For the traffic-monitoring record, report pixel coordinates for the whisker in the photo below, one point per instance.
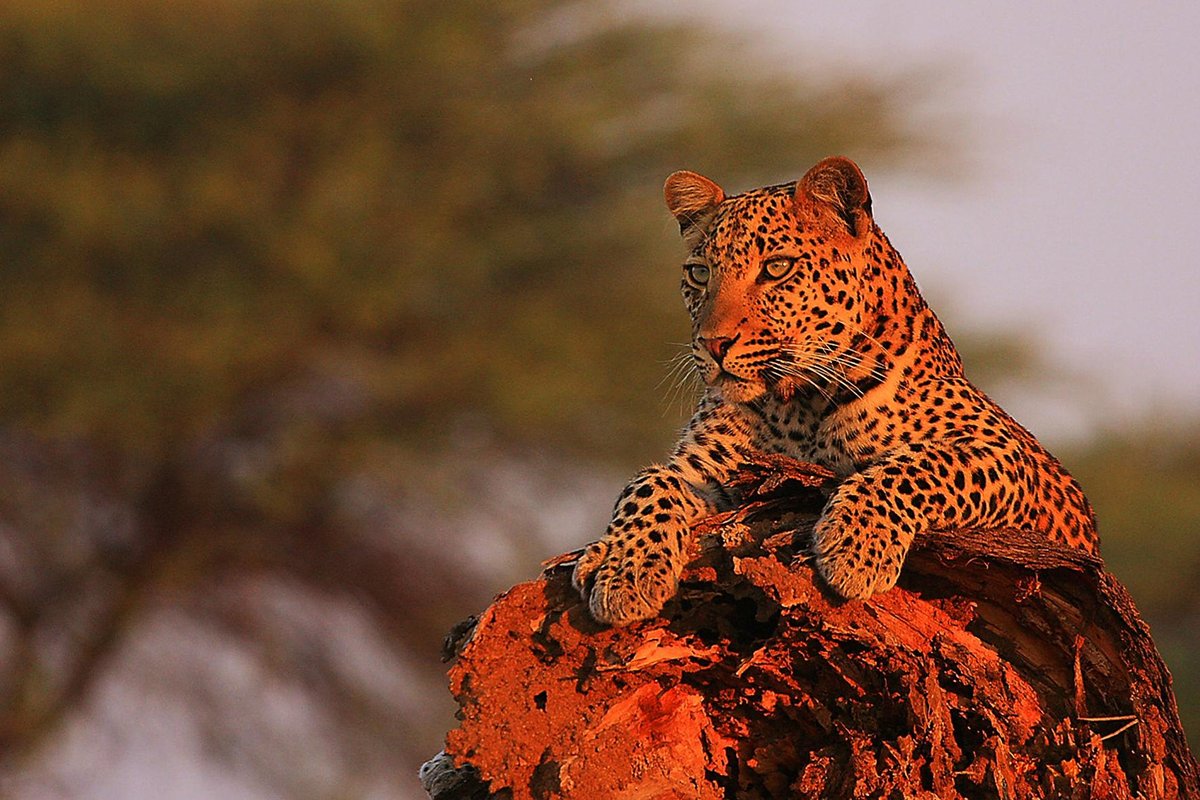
(678, 361)
(671, 377)
(854, 358)
(682, 378)
(822, 360)
(789, 369)
(851, 358)
(832, 375)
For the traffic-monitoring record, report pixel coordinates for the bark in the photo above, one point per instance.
(1000, 667)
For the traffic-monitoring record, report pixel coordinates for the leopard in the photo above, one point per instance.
(814, 342)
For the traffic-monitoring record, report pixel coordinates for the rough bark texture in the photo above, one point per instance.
(1000, 667)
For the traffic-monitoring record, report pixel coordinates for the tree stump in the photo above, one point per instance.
(999, 667)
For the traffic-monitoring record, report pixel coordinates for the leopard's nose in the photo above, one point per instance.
(718, 346)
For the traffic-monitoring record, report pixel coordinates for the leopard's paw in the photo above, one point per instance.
(587, 565)
(622, 587)
(856, 567)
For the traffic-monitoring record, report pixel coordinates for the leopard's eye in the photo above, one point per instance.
(697, 274)
(778, 268)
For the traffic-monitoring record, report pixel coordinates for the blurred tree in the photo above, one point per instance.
(1145, 484)
(285, 281)
(378, 186)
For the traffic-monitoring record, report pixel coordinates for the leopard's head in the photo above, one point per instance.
(775, 280)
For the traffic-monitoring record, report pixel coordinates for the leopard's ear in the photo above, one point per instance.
(691, 198)
(838, 185)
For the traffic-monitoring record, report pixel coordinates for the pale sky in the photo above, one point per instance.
(1080, 214)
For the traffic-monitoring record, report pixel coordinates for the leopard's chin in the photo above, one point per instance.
(739, 390)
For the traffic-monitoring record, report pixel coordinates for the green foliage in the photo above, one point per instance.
(457, 205)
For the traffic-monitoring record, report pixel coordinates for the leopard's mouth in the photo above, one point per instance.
(725, 375)
(717, 374)
(736, 388)
(736, 380)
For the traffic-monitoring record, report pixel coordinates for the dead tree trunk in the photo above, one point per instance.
(1000, 667)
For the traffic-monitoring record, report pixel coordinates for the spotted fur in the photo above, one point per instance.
(814, 342)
